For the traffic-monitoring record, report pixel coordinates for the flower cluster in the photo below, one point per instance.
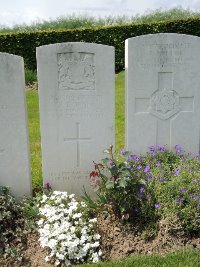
(67, 230)
(160, 184)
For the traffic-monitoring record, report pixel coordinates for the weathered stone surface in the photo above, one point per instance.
(163, 91)
(14, 146)
(76, 90)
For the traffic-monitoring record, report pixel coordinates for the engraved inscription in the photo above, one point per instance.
(76, 71)
(72, 105)
(65, 176)
(77, 139)
(169, 54)
(83, 104)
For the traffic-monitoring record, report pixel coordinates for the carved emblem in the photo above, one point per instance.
(76, 71)
(164, 103)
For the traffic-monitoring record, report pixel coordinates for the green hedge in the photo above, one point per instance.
(24, 44)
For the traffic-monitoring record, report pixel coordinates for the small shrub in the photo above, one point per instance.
(67, 230)
(11, 226)
(161, 184)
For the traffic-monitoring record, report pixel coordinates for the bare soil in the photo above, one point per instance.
(118, 241)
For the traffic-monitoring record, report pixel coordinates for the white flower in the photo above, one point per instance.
(47, 258)
(40, 222)
(57, 262)
(95, 257)
(77, 215)
(97, 236)
(96, 244)
(69, 236)
(93, 220)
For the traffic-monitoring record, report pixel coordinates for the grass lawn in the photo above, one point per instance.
(177, 259)
(34, 127)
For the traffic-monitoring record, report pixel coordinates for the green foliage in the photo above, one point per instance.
(159, 185)
(25, 43)
(11, 225)
(30, 76)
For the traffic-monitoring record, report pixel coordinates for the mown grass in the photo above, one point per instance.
(190, 258)
(34, 137)
(74, 22)
(34, 126)
(120, 110)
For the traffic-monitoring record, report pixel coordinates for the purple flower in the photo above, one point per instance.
(142, 189)
(194, 196)
(175, 172)
(158, 164)
(112, 164)
(198, 220)
(157, 206)
(133, 158)
(139, 195)
(163, 179)
(47, 186)
(139, 167)
(180, 200)
(161, 148)
(146, 169)
(152, 150)
(190, 169)
(123, 151)
(182, 190)
(141, 192)
(183, 159)
(178, 149)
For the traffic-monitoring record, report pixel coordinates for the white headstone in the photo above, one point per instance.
(76, 92)
(14, 146)
(163, 91)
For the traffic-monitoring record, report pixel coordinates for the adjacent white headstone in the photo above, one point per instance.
(14, 147)
(163, 91)
(76, 91)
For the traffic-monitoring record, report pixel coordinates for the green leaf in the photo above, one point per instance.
(110, 184)
(122, 182)
(114, 170)
(91, 203)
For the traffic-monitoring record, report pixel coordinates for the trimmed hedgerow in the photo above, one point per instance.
(24, 44)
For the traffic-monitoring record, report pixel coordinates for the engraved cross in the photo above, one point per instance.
(78, 140)
(165, 101)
